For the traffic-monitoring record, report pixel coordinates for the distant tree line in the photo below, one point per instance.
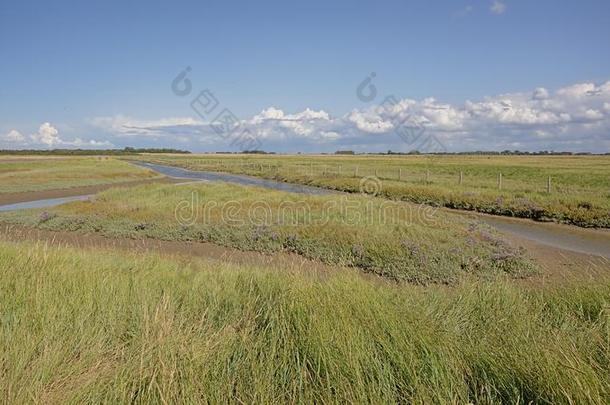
(248, 152)
(518, 152)
(135, 151)
(89, 152)
(478, 152)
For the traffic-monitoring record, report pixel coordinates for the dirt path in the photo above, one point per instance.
(12, 198)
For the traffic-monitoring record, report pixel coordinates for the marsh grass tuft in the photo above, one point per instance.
(398, 243)
(97, 326)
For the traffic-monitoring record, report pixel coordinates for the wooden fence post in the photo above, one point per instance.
(400, 174)
(461, 177)
(500, 181)
(548, 185)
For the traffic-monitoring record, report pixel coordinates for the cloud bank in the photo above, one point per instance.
(572, 118)
(47, 137)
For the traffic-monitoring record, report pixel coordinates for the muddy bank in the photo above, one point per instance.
(26, 196)
(558, 266)
(210, 251)
(559, 236)
(566, 254)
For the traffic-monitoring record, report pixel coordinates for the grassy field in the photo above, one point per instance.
(37, 174)
(399, 240)
(579, 190)
(101, 327)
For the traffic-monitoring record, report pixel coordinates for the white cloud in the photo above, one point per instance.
(47, 135)
(540, 93)
(270, 113)
(497, 7)
(370, 121)
(78, 142)
(302, 124)
(14, 136)
(330, 135)
(579, 90)
(575, 116)
(593, 114)
(124, 126)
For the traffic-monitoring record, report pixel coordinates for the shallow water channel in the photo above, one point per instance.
(179, 173)
(567, 237)
(49, 202)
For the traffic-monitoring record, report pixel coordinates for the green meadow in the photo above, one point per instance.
(38, 174)
(578, 193)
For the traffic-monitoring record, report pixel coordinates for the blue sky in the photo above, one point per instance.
(487, 74)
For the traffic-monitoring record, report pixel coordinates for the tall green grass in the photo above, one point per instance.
(102, 327)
